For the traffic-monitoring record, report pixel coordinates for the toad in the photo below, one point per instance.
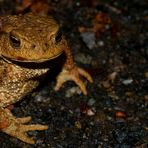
(26, 41)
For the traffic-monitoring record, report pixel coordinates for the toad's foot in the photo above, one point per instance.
(74, 75)
(15, 126)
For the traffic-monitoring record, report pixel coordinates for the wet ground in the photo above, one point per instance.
(110, 40)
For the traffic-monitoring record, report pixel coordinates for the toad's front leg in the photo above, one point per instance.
(16, 126)
(71, 72)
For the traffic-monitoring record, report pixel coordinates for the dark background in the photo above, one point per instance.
(109, 39)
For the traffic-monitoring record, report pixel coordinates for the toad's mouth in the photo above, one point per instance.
(24, 60)
(40, 64)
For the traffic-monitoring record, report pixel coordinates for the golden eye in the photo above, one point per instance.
(14, 41)
(58, 37)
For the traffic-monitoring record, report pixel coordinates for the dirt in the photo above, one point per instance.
(109, 39)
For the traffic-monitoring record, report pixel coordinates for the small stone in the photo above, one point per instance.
(100, 43)
(82, 58)
(91, 102)
(120, 114)
(127, 82)
(90, 112)
(89, 39)
(146, 74)
(74, 90)
(78, 124)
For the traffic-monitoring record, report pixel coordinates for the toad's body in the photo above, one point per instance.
(29, 39)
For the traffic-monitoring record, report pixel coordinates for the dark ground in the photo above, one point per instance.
(114, 114)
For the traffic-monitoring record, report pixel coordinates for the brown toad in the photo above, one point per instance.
(30, 40)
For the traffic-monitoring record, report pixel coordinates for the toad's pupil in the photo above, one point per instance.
(58, 37)
(14, 42)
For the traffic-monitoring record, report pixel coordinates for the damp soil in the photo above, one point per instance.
(110, 40)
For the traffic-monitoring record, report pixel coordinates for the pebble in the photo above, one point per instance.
(127, 82)
(89, 39)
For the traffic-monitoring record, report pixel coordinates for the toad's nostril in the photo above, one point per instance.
(33, 46)
(46, 45)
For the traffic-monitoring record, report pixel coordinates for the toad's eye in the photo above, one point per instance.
(14, 41)
(58, 37)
